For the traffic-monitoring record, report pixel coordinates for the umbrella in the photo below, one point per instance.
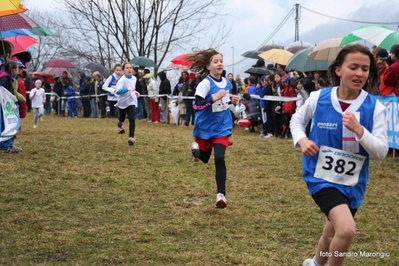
(56, 71)
(17, 21)
(277, 56)
(301, 62)
(59, 62)
(21, 43)
(172, 66)
(41, 30)
(143, 61)
(327, 50)
(297, 46)
(14, 32)
(9, 7)
(381, 36)
(93, 66)
(49, 77)
(254, 54)
(259, 71)
(268, 47)
(181, 60)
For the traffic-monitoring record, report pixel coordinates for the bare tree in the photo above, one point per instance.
(110, 31)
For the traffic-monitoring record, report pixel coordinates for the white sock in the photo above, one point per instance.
(314, 263)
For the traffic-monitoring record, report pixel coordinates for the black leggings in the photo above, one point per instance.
(131, 114)
(220, 166)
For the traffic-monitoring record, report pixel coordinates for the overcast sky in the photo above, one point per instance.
(254, 21)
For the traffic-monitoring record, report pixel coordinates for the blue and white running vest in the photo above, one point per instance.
(214, 121)
(327, 130)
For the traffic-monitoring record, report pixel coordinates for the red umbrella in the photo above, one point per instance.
(49, 77)
(22, 43)
(17, 21)
(181, 60)
(56, 71)
(59, 62)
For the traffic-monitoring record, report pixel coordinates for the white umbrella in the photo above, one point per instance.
(326, 50)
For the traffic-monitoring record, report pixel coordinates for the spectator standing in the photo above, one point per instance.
(164, 88)
(153, 91)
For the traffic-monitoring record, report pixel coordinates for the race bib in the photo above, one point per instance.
(222, 104)
(339, 166)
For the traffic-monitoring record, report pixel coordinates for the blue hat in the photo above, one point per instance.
(19, 63)
(286, 79)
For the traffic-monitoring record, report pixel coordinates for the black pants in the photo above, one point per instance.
(86, 107)
(102, 106)
(112, 108)
(220, 166)
(131, 114)
(190, 115)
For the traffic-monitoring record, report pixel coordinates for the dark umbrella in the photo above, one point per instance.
(59, 62)
(252, 54)
(143, 61)
(267, 47)
(93, 66)
(259, 71)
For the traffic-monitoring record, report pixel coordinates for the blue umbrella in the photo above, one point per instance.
(301, 62)
(15, 32)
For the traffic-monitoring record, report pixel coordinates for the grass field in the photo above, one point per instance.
(78, 194)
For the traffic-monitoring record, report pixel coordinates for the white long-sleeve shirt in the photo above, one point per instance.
(37, 96)
(126, 97)
(111, 88)
(374, 142)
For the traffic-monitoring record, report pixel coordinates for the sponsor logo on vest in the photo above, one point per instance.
(327, 125)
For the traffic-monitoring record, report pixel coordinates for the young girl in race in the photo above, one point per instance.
(348, 128)
(127, 100)
(109, 87)
(213, 121)
(38, 99)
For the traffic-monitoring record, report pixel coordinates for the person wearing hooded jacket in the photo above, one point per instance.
(84, 93)
(164, 88)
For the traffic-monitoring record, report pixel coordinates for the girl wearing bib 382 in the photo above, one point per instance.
(348, 128)
(213, 121)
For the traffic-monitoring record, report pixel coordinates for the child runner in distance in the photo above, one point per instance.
(38, 98)
(109, 87)
(213, 121)
(127, 100)
(348, 128)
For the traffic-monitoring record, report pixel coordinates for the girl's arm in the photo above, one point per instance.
(106, 86)
(121, 88)
(376, 141)
(32, 94)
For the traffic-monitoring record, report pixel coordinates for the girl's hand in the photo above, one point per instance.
(235, 99)
(132, 88)
(350, 121)
(219, 95)
(308, 147)
(137, 94)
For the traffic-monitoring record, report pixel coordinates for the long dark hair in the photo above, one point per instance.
(371, 83)
(201, 59)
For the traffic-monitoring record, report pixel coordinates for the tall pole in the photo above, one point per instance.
(296, 22)
(233, 61)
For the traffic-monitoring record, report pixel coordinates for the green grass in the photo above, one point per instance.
(78, 194)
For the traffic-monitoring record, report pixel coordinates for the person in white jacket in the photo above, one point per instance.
(38, 98)
(127, 100)
(153, 90)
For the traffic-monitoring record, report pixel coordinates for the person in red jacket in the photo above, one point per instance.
(288, 106)
(381, 59)
(392, 74)
(21, 89)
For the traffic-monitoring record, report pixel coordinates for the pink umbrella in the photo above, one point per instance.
(59, 62)
(22, 43)
(17, 21)
(56, 71)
